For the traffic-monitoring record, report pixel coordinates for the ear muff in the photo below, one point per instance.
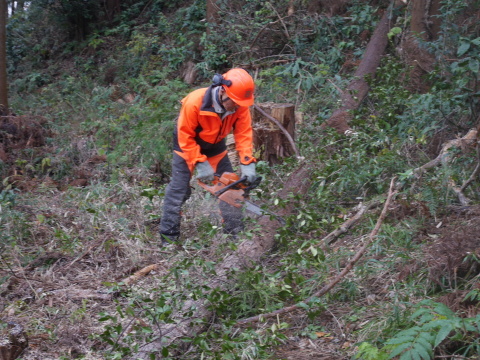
(219, 80)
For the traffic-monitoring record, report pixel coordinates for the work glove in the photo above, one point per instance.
(249, 172)
(205, 171)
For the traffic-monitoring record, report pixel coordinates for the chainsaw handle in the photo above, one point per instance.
(252, 185)
(227, 187)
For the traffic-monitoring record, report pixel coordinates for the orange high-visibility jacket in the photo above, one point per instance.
(200, 133)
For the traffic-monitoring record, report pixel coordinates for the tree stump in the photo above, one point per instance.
(270, 142)
(232, 152)
(12, 341)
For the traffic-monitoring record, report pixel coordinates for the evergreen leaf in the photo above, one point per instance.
(424, 353)
(410, 355)
(442, 334)
(399, 349)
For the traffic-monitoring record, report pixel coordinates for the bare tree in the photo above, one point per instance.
(3, 55)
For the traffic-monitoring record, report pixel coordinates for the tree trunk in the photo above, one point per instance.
(425, 23)
(424, 26)
(112, 9)
(358, 88)
(268, 138)
(212, 14)
(3, 57)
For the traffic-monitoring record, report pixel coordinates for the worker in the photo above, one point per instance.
(206, 117)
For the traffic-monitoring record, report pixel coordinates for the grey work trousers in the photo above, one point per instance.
(178, 191)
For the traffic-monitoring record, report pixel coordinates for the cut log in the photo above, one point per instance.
(13, 341)
(270, 140)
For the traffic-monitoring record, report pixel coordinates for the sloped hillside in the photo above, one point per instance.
(379, 254)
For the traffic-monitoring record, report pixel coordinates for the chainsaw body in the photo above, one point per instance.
(230, 188)
(235, 191)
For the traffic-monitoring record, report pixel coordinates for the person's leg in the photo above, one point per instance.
(232, 216)
(177, 192)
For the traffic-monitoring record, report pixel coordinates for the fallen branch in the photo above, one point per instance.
(340, 276)
(280, 126)
(78, 294)
(333, 236)
(475, 172)
(445, 157)
(139, 274)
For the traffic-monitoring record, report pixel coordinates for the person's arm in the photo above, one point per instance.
(243, 134)
(186, 125)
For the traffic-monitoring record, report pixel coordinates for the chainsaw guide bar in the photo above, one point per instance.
(235, 191)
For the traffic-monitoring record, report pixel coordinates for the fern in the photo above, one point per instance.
(414, 343)
(435, 322)
(367, 351)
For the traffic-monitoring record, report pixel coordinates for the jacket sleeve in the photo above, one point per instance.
(186, 126)
(243, 135)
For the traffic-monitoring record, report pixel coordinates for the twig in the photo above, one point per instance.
(80, 257)
(338, 323)
(336, 87)
(475, 172)
(276, 122)
(444, 155)
(333, 236)
(281, 20)
(260, 32)
(340, 276)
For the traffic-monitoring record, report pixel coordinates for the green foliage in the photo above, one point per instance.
(435, 324)
(303, 59)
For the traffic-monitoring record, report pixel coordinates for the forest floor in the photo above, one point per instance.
(57, 283)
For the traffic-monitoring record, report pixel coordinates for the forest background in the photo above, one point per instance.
(379, 257)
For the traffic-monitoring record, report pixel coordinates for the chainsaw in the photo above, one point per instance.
(235, 191)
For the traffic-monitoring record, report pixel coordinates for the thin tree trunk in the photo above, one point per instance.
(212, 14)
(3, 56)
(358, 88)
(424, 26)
(112, 9)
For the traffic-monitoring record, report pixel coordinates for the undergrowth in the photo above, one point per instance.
(117, 99)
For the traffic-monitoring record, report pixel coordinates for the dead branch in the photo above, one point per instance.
(475, 172)
(276, 122)
(340, 276)
(78, 294)
(445, 157)
(140, 273)
(342, 229)
(281, 20)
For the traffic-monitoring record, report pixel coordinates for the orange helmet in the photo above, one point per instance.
(241, 86)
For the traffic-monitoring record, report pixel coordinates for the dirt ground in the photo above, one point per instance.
(57, 296)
